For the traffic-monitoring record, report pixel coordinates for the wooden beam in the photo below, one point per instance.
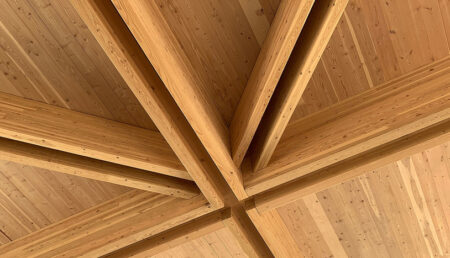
(316, 33)
(339, 173)
(384, 114)
(283, 33)
(167, 55)
(69, 131)
(32, 155)
(274, 231)
(246, 233)
(119, 44)
(232, 218)
(174, 237)
(102, 229)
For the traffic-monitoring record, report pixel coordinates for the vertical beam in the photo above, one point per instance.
(110, 31)
(317, 31)
(277, 47)
(167, 55)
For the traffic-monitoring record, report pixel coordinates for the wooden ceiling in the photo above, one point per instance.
(176, 128)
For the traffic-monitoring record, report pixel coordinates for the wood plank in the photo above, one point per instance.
(69, 131)
(275, 51)
(110, 31)
(334, 175)
(102, 229)
(71, 164)
(166, 54)
(306, 54)
(381, 115)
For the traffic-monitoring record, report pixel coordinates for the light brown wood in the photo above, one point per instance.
(166, 54)
(65, 130)
(274, 232)
(245, 232)
(399, 209)
(112, 34)
(314, 38)
(174, 237)
(416, 101)
(275, 51)
(114, 224)
(334, 175)
(32, 198)
(62, 162)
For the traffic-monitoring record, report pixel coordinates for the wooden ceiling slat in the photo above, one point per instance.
(280, 40)
(65, 130)
(120, 46)
(376, 117)
(67, 163)
(167, 55)
(314, 38)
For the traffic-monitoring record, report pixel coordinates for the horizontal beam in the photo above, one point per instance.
(168, 57)
(316, 33)
(120, 46)
(339, 173)
(73, 132)
(274, 54)
(131, 217)
(32, 155)
(381, 115)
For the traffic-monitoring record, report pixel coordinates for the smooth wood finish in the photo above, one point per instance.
(314, 38)
(49, 55)
(397, 210)
(65, 130)
(62, 162)
(379, 116)
(114, 224)
(112, 34)
(192, 230)
(334, 175)
(166, 54)
(32, 198)
(275, 51)
(176, 240)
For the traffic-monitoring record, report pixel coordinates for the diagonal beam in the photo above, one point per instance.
(283, 33)
(76, 165)
(113, 36)
(69, 131)
(167, 55)
(380, 116)
(102, 229)
(317, 31)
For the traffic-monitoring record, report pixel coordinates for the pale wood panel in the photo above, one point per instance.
(376, 41)
(398, 210)
(32, 198)
(49, 55)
